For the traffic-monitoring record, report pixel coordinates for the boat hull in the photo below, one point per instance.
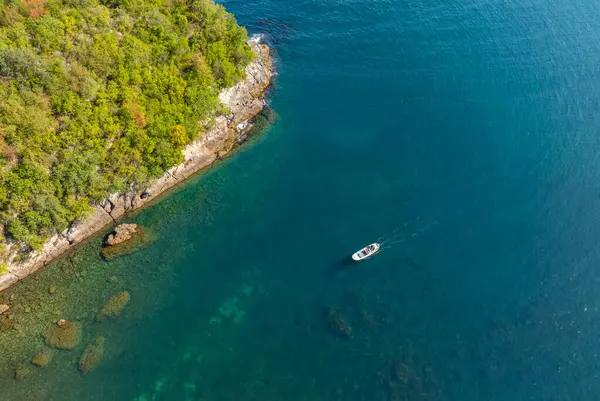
(362, 254)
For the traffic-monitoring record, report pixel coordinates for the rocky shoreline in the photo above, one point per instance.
(245, 100)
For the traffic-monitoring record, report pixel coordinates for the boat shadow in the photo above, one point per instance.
(340, 266)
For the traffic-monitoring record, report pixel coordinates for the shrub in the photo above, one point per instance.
(117, 89)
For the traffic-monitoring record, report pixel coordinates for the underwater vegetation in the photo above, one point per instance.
(56, 319)
(361, 330)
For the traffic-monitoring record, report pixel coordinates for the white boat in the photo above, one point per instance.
(366, 252)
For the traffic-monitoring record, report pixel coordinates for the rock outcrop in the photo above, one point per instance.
(123, 232)
(126, 239)
(244, 101)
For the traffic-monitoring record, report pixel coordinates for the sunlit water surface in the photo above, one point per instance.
(463, 132)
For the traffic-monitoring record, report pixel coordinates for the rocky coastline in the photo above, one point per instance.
(244, 101)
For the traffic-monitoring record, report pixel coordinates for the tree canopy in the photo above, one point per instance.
(100, 96)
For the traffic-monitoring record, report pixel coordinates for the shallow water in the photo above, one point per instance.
(470, 128)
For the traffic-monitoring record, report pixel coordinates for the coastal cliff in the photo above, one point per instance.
(243, 101)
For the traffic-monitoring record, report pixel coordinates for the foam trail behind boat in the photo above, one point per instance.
(394, 233)
(395, 237)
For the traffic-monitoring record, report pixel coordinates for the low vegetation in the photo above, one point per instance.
(99, 96)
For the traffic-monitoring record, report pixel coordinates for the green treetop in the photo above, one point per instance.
(98, 97)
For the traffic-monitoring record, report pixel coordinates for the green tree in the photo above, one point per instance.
(100, 96)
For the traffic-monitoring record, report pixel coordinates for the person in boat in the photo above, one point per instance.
(372, 247)
(367, 251)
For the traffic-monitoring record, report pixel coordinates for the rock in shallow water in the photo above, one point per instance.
(114, 306)
(123, 232)
(92, 356)
(4, 308)
(21, 373)
(42, 358)
(65, 337)
(126, 240)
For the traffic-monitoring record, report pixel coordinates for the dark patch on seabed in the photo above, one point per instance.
(468, 126)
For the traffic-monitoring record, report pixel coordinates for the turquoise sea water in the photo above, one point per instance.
(466, 129)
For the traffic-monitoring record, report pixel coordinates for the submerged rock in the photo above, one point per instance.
(264, 119)
(21, 373)
(65, 337)
(114, 306)
(337, 323)
(52, 289)
(269, 114)
(126, 239)
(92, 356)
(401, 372)
(42, 358)
(6, 321)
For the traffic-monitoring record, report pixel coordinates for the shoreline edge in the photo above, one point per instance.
(245, 100)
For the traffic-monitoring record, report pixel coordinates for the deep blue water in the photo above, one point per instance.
(471, 128)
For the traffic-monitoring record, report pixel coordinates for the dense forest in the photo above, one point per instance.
(99, 96)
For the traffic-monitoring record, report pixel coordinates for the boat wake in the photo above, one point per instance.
(403, 233)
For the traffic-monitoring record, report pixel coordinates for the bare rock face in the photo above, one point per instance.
(8, 279)
(95, 221)
(123, 232)
(127, 238)
(244, 101)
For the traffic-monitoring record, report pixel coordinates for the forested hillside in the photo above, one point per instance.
(99, 96)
